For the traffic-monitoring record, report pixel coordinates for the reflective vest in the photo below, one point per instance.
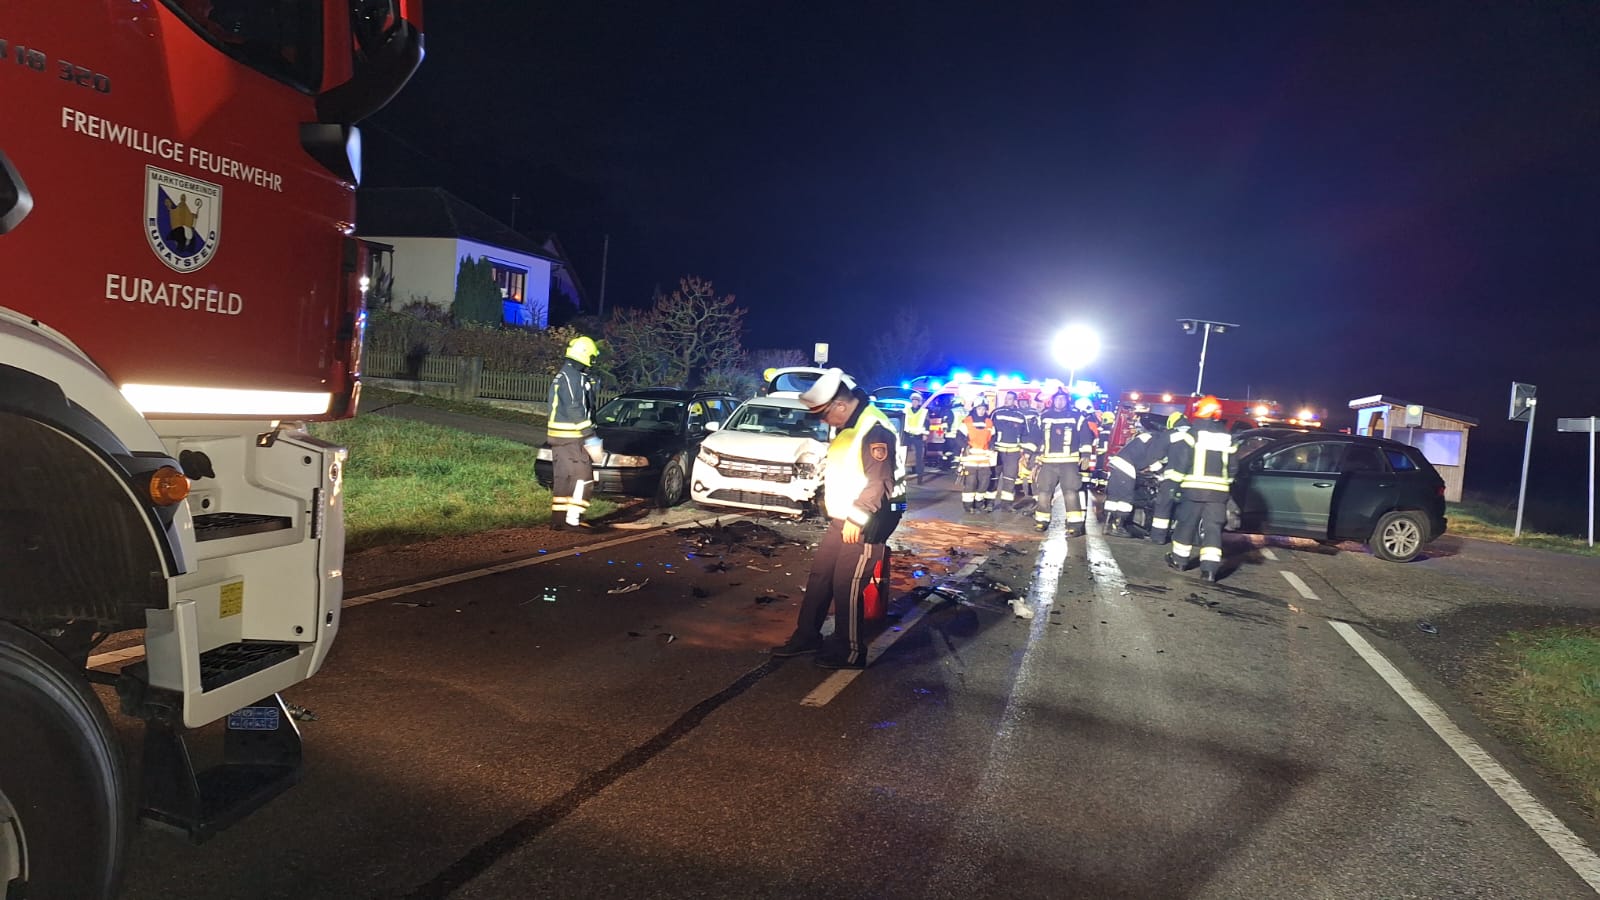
(1208, 468)
(1011, 430)
(917, 421)
(1063, 436)
(979, 436)
(847, 474)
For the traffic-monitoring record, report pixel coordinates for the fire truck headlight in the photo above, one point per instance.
(1261, 412)
(1307, 414)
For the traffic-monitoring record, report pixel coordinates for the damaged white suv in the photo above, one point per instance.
(767, 456)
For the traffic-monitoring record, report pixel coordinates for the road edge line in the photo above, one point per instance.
(1546, 824)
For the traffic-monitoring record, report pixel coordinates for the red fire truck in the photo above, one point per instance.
(1238, 415)
(182, 288)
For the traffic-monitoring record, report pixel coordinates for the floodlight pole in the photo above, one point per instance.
(1205, 339)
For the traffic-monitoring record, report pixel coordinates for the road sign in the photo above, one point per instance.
(1578, 425)
(1413, 416)
(1522, 400)
(820, 354)
(1585, 426)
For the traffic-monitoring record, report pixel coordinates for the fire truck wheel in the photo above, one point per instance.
(1398, 536)
(64, 810)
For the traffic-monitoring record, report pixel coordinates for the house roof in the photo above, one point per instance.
(1386, 400)
(435, 212)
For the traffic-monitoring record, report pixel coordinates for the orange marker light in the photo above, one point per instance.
(167, 486)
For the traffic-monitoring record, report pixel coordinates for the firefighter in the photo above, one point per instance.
(916, 434)
(1145, 449)
(1064, 441)
(1012, 436)
(574, 446)
(977, 460)
(1166, 499)
(1205, 461)
(864, 502)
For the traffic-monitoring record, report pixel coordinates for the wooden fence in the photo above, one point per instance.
(470, 380)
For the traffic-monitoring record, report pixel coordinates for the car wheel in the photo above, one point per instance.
(1399, 536)
(673, 485)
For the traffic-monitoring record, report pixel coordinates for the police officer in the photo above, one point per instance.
(1064, 438)
(864, 502)
(574, 446)
(977, 460)
(1166, 499)
(1205, 461)
(915, 434)
(1012, 436)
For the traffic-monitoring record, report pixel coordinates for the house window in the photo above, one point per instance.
(512, 280)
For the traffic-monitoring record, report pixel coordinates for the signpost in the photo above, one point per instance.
(1582, 425)
(820, 354)
(1522, 404)
(1412, 421)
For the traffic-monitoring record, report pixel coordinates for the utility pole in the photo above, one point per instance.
(1204, 327)
(1524, 398)
(514, 200)
(605, 254)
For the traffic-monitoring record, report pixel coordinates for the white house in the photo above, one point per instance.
(432, 230)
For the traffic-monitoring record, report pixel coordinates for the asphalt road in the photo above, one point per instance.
(1143, 735)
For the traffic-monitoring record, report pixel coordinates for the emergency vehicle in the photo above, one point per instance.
(1237, 415)
(183, 288)
(948, 398)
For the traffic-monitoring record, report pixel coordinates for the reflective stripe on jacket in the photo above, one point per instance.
(1063, 436)
(1010, 429)
(917, 421)
(1206, 460)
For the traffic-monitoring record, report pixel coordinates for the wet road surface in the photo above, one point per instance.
(1143, 735)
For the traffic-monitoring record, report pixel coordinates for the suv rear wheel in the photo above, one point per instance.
(1399, 536)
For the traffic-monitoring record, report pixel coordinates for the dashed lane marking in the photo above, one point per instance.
(1300, 586)
(131, 654)
(838, 681)
(1267, 552)
(1550, 829)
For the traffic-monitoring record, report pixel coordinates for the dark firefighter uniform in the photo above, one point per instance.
(1166, 499)
(1146, 449)
(1064, 439)
(572, 436)
(1205, 460)
(977, 462)
(916, 435)
(864, 502)
(1011, 437)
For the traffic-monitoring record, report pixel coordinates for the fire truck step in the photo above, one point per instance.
(231, 662)
(261, 758)
(216, 526)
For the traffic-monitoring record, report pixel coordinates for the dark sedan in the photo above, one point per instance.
(650, 438)
(1341, 487)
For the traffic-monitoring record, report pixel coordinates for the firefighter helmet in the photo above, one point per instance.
(583, 349)
(1208, 407)
(1173, 420)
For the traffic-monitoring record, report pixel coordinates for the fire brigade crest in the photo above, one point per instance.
(183, 218)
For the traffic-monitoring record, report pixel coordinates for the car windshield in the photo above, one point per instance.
(646, 414)
(785, 420)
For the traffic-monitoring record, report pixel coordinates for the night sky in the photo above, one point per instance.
(1390, 197)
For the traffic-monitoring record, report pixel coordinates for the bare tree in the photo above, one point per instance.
(778, 358)
(905, 353)
(685, 335)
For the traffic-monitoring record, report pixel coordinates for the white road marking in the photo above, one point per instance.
(838, 681)
(1300, 586)
(1550, 829)
(1267, 552)
(131, 654)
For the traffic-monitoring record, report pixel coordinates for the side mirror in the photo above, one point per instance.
(713, 425)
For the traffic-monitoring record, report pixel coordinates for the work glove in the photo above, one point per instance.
(595, 448)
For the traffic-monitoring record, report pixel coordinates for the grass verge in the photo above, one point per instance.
(1491, 523)
(374, 397)
(1545, 695)
(408, 481)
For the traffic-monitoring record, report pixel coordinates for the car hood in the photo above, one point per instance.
(638, 442)
(767, 447)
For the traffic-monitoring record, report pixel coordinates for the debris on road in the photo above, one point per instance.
(414, 603)
(1020, 609)
(622, 590)
(300, 713)
(1427, 628)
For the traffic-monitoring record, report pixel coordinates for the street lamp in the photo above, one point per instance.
(1075, 346)
(1204, 327)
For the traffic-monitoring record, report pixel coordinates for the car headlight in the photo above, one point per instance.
(805, 465)
(624, 461)
(708, 457)
(545, 454)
